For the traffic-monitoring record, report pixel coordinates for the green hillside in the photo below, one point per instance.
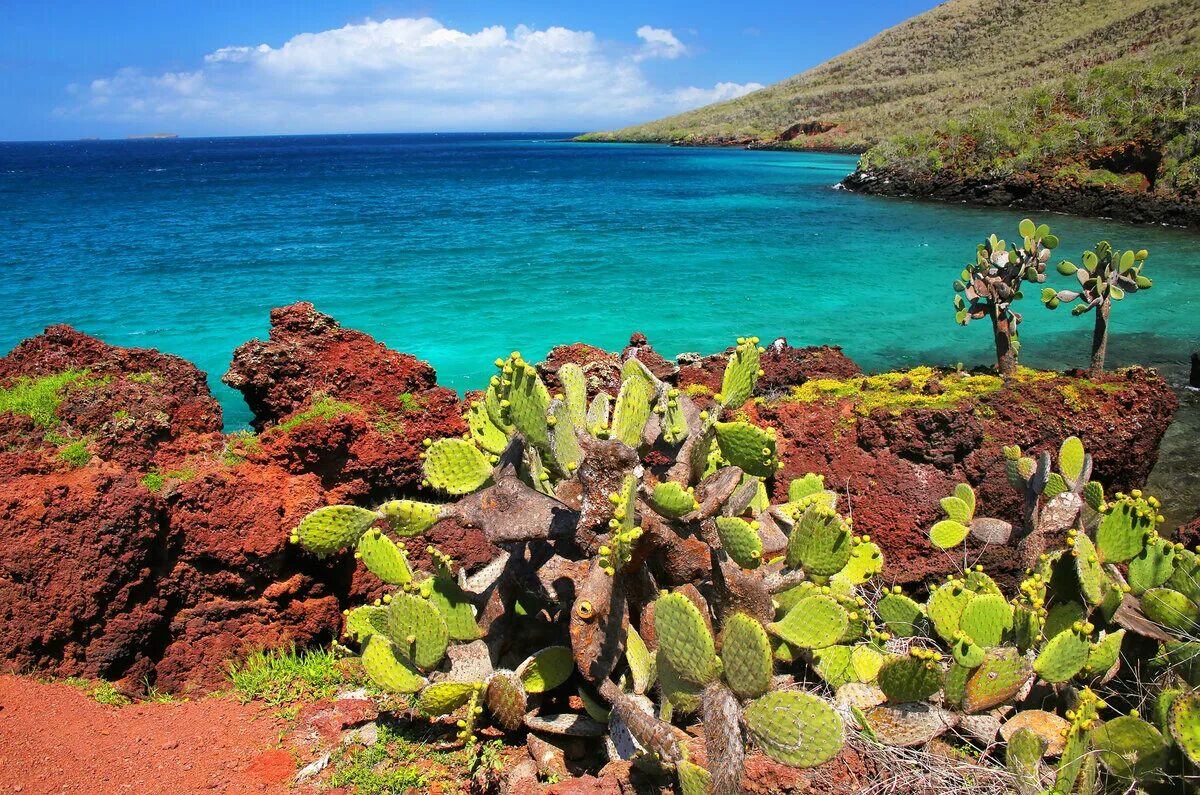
(942, 65)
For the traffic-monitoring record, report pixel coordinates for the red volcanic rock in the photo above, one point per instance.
(131, 400)
(309, 353)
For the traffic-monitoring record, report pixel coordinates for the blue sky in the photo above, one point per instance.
(225, 67)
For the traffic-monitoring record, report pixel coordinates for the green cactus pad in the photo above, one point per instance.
(948, 534)
(986, 618)
(443, 698)
(1122, 531)
(1152, 566)
(506, 700)
(383, 558)
(958, 510)
(978, 582)
(821, 542)
(806, 486)
(682, 695)
(597, 415)
(1093, 495)
(409, 517)
(631, 411)
(795, 728)
(693, 779)
(484, 432)
(684, 640)
(418, 630)
(965, 493)
(640, 660)
(1185, 724)
(813, 623)
(456, 466)
(492, 403)
(381, 661)
(835, 665)
(1104, 654)
(945, 607)
(1186, 577)
(547, 669)
(674, 422)
(866, 662)
(574, 386)
(904, 617)
(966, 652)
(455, 606)
(1001, 676)
(741, 374)
(332, 528)
(740, 540)
(1027, 627)
(1171, 609)
(1022, 757)
(910, 678)
(746, 656)
(866, 560)
(1071, 458)
(748, 447)
(564, 446)
(956, 684)
(672, 500)
(363, 622)
(1062, 616)
(1130, 747)
(1056, 484)
(1093, 582)
(1063, 656)
(529, 404)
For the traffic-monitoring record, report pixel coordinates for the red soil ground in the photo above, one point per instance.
(54, 738)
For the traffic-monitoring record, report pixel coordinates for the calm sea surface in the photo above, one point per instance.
(459, 248)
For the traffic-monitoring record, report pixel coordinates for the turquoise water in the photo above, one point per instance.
(461, 248)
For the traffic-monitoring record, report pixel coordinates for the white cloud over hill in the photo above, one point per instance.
(404, 74)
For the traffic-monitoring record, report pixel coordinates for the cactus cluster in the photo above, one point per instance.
(643, 556)
(988, 287)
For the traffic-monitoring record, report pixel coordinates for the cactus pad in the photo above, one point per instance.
(746, 656)
(672, 500)
(418, 630)
(529, 404)
(383, 558)
(640, 660)
(820, 542)
(547, 669)
(680, 694)
(795, 728)
(1129, 746)
(904, 617)
(409, 517)
(986, 618)
(455, 606)
(910, 678)
(1023, 757)
(1104, 654)
(1093, 582)
(740, 540)
(484, 432)
(948, 534)
(564, 446)
(1170, 609)
(835, 665)
(574, 386)
(631, 411)
(387, 669)
(684, 640)
(505, 698)
(332, 528)
(1185, 724)
(363, 622)
(748, 447)
(693, 779)
(806, 486)
(741, 373)
(813, 623)
(908, 725)
(456, 466)
(1123, 529)
(1071, 458)
(945, 607)
(1000, 677)
(1063, 656)
(1152, 566)
(443, 698)
(674, 422)
(1048, 726)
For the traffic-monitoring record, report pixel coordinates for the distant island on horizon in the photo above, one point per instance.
(152, 136)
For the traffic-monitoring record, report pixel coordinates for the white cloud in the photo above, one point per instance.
(402, 74)
(659, 43)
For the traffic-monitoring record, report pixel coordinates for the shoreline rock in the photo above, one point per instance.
(160, 554)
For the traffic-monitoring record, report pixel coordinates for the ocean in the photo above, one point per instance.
(459, 248)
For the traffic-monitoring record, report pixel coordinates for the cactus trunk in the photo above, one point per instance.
(1006, 357)
(1100, 338)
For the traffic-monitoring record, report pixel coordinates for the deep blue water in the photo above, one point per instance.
(459, 248)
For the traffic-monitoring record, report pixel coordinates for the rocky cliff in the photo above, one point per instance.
(140, 543)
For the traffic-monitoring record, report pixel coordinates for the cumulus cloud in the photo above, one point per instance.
(659, 43)
(403, 74)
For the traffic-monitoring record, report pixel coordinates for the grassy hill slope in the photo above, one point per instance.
(941, 65)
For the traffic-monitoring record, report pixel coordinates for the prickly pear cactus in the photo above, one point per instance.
(795, 728)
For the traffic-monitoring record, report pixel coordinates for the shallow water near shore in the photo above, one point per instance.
(459, 248)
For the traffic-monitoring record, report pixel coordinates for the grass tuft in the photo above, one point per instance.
(76, 454)
(323, 408)
(280, 677)
(38, 398)
(99, 690)
(897, 391)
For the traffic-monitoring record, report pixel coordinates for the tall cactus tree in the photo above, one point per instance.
(989, 286)
(1107, 275)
